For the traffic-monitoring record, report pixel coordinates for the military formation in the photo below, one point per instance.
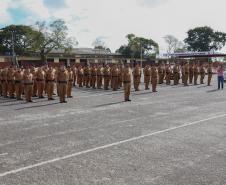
(20, 83)
(46, 81)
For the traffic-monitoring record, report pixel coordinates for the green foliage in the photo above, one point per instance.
(41, 39)
(205, 39)
(125, 50)
(100, 44)
(22, 36)
(136, 45)
(52, 36)
(174, 45)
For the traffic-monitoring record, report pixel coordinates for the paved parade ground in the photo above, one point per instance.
(174, 137)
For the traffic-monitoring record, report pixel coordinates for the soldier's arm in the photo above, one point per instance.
(57, 77)
(33, 78)
(123, 77)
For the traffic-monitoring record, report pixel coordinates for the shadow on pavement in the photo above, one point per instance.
(6, 101)
(211, 91)
(202, 86)
(35, 106)
(179, 86)
(108, 104)
(16, 103)
(137, 94)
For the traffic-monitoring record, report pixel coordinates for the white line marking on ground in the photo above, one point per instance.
(106, 146)
(114, 123)
(3, 154)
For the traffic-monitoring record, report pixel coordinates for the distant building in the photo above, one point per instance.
(75, 56)
(205, 54)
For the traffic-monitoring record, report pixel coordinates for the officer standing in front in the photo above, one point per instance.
(126, 77)
(62, 79)
(136, 77)
(154, 78)
(147, 76)
(210, 73)
(28, 84)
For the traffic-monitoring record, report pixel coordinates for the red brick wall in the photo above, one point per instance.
(5, 64)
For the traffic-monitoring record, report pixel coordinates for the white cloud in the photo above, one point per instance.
(151, 3)
(114, 19)
(36, 8)
(4, 14)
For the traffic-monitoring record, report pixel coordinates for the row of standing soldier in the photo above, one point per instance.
(35, 82)
(43, 80)
(188, 73)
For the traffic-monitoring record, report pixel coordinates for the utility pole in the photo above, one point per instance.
(13, 49)
(14, 61)
(141, 56)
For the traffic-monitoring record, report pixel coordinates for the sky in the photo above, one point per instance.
(112, 20)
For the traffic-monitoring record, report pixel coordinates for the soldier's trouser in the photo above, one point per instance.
(4, 89)
(23, 87)
(147, 82)
(106, 82)
(176, 79)
(93, 80)
(136, 83)
(18, 88)
(161, 77)
(114, 82)
(202, 79)
(120, 81)
(127, 89)
(40, 87)
(74, 80)
(90, 82)
(80, 81)
(195, 79)
(28, 92)
(190, 78)
(0, 88)
(87, 81)
(209, 79)
(50, 89)
(62, 91)
(84, 80)
(154, 82)
(35, 88)
(57, 88)
(111, 82)
(147, 85)
(45, 87)
(186, 79)
(69, 88)
(168, 79)
(11, 89)
(183, 78)
(99, 82)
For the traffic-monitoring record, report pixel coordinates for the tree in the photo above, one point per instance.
(125, 50)
(139, 45)
(174, 45)
(98, 43)
(205, 39)
(52, 36)
(181, 47)
(19, 35)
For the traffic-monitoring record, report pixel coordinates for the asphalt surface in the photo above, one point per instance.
(174, 137)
